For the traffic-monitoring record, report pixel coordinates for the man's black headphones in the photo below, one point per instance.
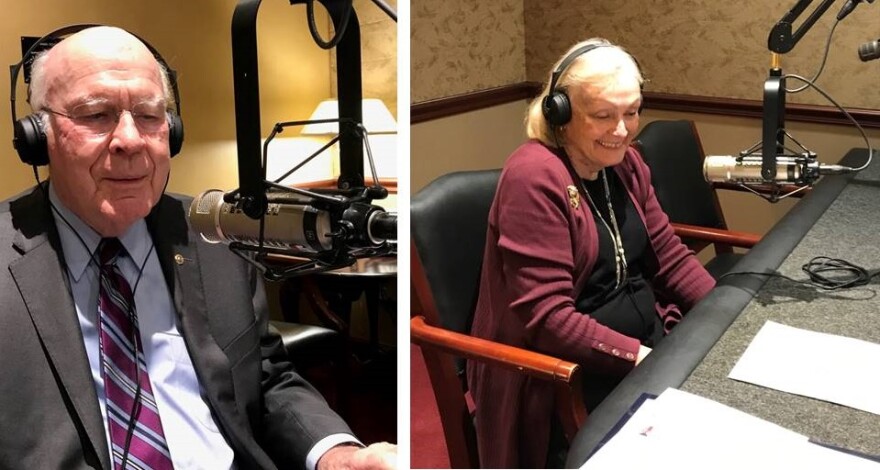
(29, 137)
(556, 106)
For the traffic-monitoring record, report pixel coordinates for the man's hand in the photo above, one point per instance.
(378, 456)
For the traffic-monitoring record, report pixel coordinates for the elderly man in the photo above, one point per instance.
(125, 339)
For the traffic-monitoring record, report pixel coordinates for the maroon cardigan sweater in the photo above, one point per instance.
(540, 250)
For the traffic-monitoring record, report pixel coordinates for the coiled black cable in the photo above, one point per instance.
(313, 28)
(824, 273)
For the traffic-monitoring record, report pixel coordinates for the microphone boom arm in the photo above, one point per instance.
(780, 41)
(246, 85)
(299, 227)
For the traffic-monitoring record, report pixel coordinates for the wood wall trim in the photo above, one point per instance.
(753, 108)
(450, 106)
(388, 183)
(472, 101)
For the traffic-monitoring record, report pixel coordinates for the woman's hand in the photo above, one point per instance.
(643, 352)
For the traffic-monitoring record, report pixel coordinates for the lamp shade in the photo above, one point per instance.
(286, 152)
(377, 118)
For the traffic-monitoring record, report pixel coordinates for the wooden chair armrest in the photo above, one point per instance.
(714, 235)
(497, 354)
(319, 306)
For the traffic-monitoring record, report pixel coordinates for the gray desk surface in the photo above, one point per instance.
(839, 219)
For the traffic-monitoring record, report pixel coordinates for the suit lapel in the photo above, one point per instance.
(54, 317)
(178, 254)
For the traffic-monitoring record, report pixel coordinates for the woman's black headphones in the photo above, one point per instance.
(29, 137)
(556, 106)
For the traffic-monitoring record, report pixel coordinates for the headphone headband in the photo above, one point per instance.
(53, 37)
(29, 138)
(556, 106)
(567, 61)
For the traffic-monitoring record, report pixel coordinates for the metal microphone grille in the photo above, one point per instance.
(869, 50)
(207, 200)
(201, 217)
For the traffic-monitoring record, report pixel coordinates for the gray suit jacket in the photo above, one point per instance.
(49, 414)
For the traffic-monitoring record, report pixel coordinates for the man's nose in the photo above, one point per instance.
(126, 135)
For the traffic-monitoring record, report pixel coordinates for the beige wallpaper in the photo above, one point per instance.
(710, 48)
(696, 47)
(378, 53)
(434, 153)
(458, 46)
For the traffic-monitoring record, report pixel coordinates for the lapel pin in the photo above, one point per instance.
(573, 196)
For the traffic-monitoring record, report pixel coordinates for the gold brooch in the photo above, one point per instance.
(573, 196)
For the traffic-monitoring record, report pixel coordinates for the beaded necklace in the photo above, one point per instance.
(620, 267)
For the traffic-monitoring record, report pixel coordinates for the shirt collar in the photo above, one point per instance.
(136, 240)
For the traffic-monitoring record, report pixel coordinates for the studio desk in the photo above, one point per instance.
(840, 218)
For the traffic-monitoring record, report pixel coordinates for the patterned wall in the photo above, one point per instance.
(378, 54)
(710, 48)
(696, 47)
(458, 46)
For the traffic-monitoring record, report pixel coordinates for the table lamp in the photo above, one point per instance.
(381, 129)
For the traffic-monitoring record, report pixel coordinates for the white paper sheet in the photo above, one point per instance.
(818, 365)
(684, 431)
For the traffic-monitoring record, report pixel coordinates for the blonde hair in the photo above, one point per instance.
(588, 69)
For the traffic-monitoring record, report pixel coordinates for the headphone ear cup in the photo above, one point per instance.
(29, 140)
(175, 133)
(556, 108)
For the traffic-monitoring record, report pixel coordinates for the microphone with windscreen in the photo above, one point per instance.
(294, 224)
(796, 170)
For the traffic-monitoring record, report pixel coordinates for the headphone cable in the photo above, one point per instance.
(136, 405)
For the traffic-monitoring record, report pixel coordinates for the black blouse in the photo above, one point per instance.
(629, 308)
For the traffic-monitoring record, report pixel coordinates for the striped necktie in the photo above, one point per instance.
(132, 415)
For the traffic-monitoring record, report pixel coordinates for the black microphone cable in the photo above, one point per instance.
(846, 113)
(313, 28)
(822, 64)
(825, 273)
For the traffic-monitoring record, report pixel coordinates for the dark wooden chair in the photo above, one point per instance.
(674, 152)
(449, 218)
(312, 349)
(306, 343)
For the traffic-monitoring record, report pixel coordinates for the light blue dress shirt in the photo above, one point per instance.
(190, 430)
